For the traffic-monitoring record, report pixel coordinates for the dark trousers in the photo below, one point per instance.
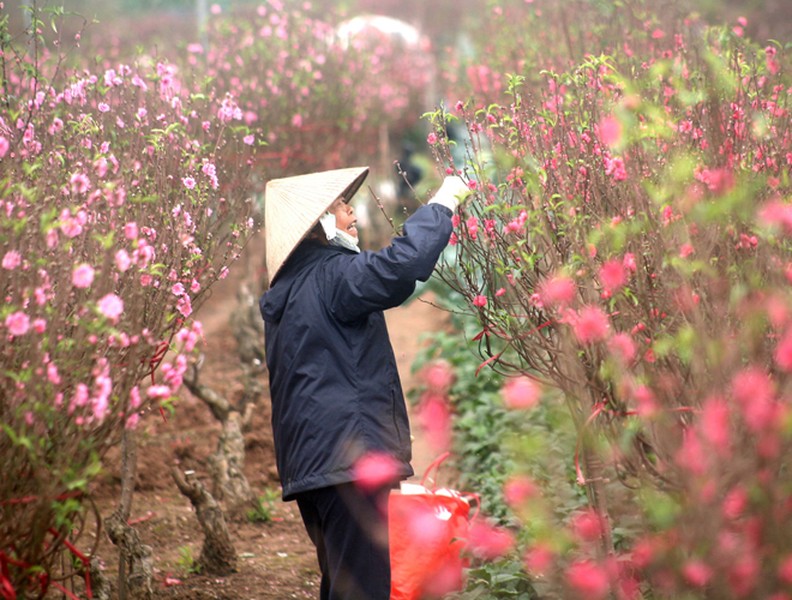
(349, 528)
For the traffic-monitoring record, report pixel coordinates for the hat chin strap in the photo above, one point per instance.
(343, 240)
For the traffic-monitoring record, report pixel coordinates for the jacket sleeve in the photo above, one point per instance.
(373, 281)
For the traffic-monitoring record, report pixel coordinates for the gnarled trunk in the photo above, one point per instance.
(218, 556)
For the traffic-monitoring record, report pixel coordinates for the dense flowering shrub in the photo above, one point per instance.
(324, 87)
(124, 195)
(323, 94)
(628, 246)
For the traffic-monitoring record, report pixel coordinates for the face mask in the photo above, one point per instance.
(343, 240)
(328, 223)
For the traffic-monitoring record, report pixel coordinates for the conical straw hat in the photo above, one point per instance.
(293, 205)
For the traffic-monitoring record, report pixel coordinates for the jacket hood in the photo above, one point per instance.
(273, 302)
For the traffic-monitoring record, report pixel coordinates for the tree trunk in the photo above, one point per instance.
(229, 483)
(218, 556)
(132, 554)
(135, 555)
(100, 585)
(225, 467)
(595, 483)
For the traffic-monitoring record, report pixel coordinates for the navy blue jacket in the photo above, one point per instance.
(334, 384)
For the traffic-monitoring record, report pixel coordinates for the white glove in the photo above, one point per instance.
(451, 192)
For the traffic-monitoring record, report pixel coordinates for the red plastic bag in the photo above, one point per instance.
(427, 531)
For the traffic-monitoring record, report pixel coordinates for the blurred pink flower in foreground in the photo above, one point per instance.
(558, 291)
(438, 376)
(521, 392)
(588, 579)
(783, 351)
(610, 131)
(518, 490)
(538, 560)
(588, 525)
(488, 541)
(612, 275)
(375, 470)
(434, 418)
(622, 347)
(591, 325)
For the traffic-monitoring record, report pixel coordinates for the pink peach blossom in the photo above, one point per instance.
(122, 260)
(184, 306)
(11, 260)
(134, 398)
(612, 275)
(111, 306)
(783, 351)
(80, 183)
(697, 572)
(715, 423)
(691, 454)
(622, 346)
(17, 323)
(735, 502)
(785, 569)
(616, 168)
(52, 374)
(591, 325)
(82, 276)
(159, 391)
(131, 230)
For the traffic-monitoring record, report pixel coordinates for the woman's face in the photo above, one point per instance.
(345, 217)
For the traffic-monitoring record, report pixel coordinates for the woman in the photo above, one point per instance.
(335, 389)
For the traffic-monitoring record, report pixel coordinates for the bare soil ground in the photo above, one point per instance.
(276, 558)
